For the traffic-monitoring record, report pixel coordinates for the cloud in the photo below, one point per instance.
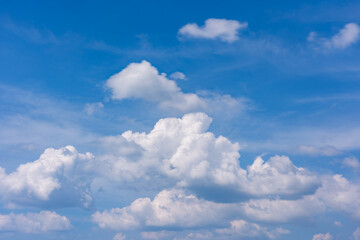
(34, 222)
(178, 76)
(143, 81)
(318, 151)
(346, 37)
(223, 29)
(91, 108)
(182, 150)
(352, 162)
(322, 236)
(356, 234)
(335, 194)
(39, 179)
(169, 208)
(242, 228)
(119, 236)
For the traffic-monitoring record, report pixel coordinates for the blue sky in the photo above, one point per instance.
(179, 120)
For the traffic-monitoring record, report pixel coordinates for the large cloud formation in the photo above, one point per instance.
(184, 151)
(188, 160)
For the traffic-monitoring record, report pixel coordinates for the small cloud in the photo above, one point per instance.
(356, 234)
(222, 29)
(346, 37)
(119, 236)
(318, 151)
(322, 236)
(338, 224)
(352, 162)
(91, 108)
(178, 76)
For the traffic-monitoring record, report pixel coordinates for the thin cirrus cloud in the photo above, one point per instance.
(34, 222)
(143, 81)
(346, 37)
(222, 29)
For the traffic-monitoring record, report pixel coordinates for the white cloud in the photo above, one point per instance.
(318, 151)
(322, 236)
(338, 224)
(169, 208)
(223, 29)
(346, 37)
(143, 81)
(356, 234)
(352, 162)
(34, 222)
(178, 76)
(119, 236)
(335, 194)
(183, 150)
(242, 228)
(40, 178)
(91, 108)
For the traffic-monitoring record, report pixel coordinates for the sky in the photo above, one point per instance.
(180, 120)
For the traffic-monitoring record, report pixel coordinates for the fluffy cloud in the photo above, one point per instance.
(143, 81)
(34, 222)
(346, 37)
(170, 208)
(322, 236)
(223, 29)
(42, 177)
(183, 150)
(335, 194)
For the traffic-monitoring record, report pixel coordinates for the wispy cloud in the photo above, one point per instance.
(346, 37)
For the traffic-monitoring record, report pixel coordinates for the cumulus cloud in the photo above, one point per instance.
(169, 208)
(335, 194)
(222, 29)
(143, 81)
(346, 37)
(34, 222)
(322, 236)
(42, 177)
(184, 151)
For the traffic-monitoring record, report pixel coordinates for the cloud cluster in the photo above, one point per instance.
(39, 179)
(143, 81)
(346, 37)
(34, 222)
(191, 162)
(222, 29)
(184, 151)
